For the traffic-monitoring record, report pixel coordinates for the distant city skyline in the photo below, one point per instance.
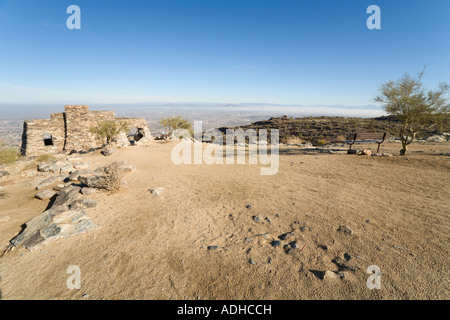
(285, 52)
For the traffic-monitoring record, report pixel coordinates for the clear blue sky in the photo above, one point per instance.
(230, 51)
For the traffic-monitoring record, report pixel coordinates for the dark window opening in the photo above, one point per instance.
(135, 135)
(48, 139)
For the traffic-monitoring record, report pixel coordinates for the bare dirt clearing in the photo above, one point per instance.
(397, 209)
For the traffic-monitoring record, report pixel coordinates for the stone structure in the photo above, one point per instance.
(69, 131)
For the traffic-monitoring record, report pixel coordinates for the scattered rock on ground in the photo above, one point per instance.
(345, 230)
(275, 243)
(108, 151)
(257, 219)
(365, 153)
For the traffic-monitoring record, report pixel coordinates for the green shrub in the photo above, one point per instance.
(9, 155)
(109, 130)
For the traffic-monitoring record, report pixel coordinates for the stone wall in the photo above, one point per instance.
(69, 131)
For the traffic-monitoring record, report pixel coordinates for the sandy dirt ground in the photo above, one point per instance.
(397, 209)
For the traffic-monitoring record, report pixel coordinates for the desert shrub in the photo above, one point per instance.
(173, 123)
(109, 130)
(9, 155)
(113, 178)
(321, 142)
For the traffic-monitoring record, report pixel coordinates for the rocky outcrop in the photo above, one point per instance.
(65, 218)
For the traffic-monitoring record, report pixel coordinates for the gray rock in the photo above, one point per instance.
(108, 151)
(87, 191)
(275, 243)
(77, 173)
(31, 227)
(257, 219)
(51, 180)
(86, 203)
(45, 194)
(251, 261)
(66, 196)
(84, 226)
(213, 247)
(94, 181)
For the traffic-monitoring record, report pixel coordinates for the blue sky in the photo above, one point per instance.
(228, 51)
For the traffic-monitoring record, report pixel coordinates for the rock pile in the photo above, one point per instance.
(67, 213)
(62, 220)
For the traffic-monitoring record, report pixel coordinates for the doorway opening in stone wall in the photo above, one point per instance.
(135, 135)
(48, 139)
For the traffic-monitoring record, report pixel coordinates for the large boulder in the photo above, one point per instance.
(66, 196)
(45, 194)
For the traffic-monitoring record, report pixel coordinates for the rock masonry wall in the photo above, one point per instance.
(69, 131)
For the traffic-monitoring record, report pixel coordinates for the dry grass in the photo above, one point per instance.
(9, 155)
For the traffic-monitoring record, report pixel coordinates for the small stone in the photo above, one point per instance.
(275, 243)
(87, 203)
(213, 247)
(257, 219)
(248, 206)
(248, 239)
(248, 250)
(344, 229)
(330, 275)
(251, 261)
(293, 244)
(365, 152)
(268, 220)
(283, 236)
